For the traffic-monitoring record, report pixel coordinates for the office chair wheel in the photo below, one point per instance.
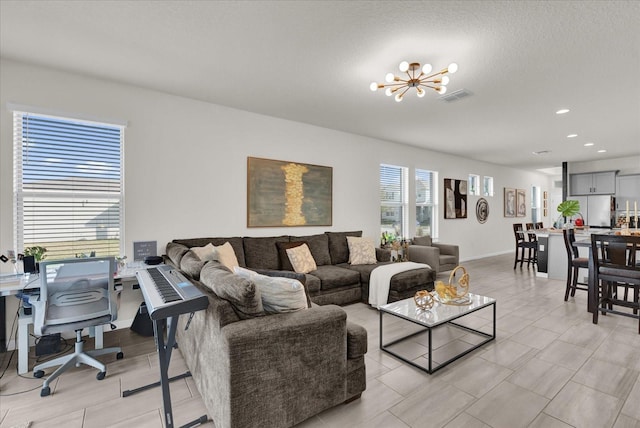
(101, 375)
(119, 356)
(38, 374)
(45, 391)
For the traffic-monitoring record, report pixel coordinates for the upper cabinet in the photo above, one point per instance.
(593, 183)
(628, 190)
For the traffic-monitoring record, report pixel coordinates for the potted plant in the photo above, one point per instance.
(568, 208)
(38, 254)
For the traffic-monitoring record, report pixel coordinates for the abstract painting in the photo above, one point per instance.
(282, 193)
(509, 202)
(455, 198)
(522, 206)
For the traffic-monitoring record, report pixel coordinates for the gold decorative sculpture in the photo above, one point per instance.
(424, 299)
(454, 294)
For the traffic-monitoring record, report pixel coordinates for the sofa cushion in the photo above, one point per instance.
(191, 264)
(278, 294)
(206, 253)
(283, 257)
(335, 276)
(448, 260)
(338, 247)
(362, 251)
(262, 253)
(312, 283)
(422, 240)
(301, 259)
(319, 247)
(241, 293)
(175, 252)
(235, 242)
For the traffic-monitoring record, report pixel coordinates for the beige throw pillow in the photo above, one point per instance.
(362, 251)
(226, 256)
(206, 253)
(301, 259)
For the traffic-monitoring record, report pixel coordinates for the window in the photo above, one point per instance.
(67, 186)
(474, 184)
(426, 203)
(487, 186)
(393, 200)
(535, 205)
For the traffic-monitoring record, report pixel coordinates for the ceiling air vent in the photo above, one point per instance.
(455, 95)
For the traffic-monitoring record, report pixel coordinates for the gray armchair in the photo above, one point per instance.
(441, 257)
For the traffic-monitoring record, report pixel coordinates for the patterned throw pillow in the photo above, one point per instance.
(301, 259)
(362, 251)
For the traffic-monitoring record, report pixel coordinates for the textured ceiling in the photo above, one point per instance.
(313, 61)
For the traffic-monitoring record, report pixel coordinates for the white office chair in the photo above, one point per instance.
(75, 294)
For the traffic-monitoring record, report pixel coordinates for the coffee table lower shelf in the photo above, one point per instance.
(429, 327)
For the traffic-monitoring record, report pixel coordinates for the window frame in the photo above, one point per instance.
(433, 203)
(402, 204)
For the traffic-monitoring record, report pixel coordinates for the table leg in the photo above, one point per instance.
(592, 290)
(23, 341)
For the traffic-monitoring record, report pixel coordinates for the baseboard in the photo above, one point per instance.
(483, 256)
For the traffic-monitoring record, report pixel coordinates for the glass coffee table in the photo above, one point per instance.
(439, 315)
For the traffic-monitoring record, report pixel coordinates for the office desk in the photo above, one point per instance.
(14, 284)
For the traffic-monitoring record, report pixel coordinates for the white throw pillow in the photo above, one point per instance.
(278, 294)
(226, 256)
(362, 251)
(206, 253)
(301, 259)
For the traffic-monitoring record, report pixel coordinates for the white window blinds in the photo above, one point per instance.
(67, 186)
(393, 200)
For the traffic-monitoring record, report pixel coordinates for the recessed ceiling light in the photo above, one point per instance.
(572, 135)
(602, 151)
(563, 111)
(588, 144)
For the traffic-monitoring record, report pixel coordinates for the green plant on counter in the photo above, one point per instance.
(37, 252)
(569, 208)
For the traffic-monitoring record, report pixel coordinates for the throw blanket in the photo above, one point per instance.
(380, 280)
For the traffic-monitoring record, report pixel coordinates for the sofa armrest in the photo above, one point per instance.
(424, 254)
(383, 254)
(448, 249)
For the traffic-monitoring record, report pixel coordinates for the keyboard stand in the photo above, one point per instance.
(164, 355)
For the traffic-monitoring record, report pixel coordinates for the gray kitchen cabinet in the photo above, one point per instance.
(628, 190)
(593, 183)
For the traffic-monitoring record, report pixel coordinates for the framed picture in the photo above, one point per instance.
(283, 193)
(455, 198)
(521, 208)
(509, 202)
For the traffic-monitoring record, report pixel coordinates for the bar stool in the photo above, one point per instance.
(533, 245)
(521, 245)
(574, 264)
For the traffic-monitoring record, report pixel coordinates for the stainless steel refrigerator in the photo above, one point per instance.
(597, 210)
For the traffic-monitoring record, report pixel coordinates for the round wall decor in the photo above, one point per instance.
(482, 210)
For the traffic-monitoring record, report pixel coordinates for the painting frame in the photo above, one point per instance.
(288, 194)
(521, 203)
(455, 198)
(509, 202)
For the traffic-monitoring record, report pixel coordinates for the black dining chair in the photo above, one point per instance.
(522, 244)
(615, 266)
(574, 264)
(533, 245)
(539, 225)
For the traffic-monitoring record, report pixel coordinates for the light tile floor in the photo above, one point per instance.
(550, 366)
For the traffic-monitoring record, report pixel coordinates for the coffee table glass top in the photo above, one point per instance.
(438, 314)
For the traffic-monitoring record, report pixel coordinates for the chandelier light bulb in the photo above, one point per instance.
(442, 90)
(373, 86)
(398, 98)
(444, 80)
(426, 69)
(388, 92)
(404, 66)
(453, 67)
(389, 77)
(420, 92)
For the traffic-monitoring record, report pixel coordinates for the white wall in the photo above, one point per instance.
(185, 163)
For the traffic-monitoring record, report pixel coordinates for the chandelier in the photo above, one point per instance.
(418, 77)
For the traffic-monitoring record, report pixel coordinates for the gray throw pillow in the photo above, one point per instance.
(191, 265)
(241, 293)
(175, 252)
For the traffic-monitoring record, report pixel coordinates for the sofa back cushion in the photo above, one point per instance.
(262, 253)
(236, 243)
(241, 293)
(338, 247)
(191, 265)
(175, 252)
(319, 247)
(422, 240)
